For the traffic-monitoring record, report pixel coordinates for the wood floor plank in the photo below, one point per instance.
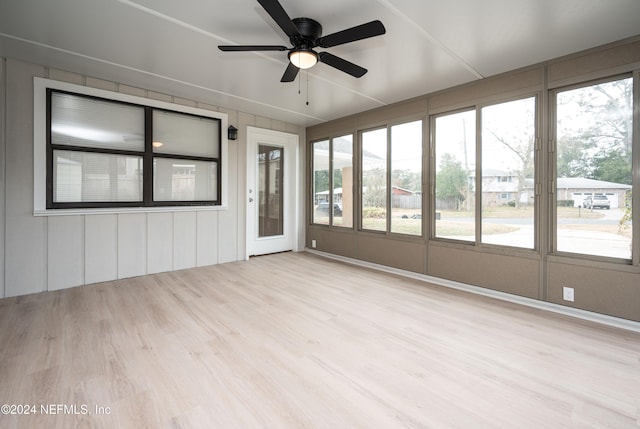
(298, 341)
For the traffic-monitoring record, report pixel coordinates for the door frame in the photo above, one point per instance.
(291, 215)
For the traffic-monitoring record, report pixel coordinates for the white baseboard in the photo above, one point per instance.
(603, 319)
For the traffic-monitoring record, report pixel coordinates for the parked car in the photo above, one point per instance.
(323, 209)
(596, 202)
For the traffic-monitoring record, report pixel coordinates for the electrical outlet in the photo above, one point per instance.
(313, 244)
(567, 293)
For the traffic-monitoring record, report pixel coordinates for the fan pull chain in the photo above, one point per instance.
(307, 73)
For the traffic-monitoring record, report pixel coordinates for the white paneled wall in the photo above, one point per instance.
(184, 240)
(100, 248)
(97, 248)
(160, 242)
(55, 252)
(65, 250)
(207, 238)
(132, 245)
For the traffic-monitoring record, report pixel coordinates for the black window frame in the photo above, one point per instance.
(148, 156)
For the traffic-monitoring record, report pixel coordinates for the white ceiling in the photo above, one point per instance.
(171, 46)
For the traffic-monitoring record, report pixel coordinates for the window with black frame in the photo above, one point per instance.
(103, 153)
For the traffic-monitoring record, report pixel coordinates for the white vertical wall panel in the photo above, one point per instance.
(159, 242)
(184, 240)
(132, 245)
(101, 248)
(25, 236)
(65, 250)
(206, 238)
(228, 219)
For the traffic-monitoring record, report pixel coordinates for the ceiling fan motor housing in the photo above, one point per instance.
(309, 29)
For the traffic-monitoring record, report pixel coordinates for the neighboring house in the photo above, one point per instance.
(577, 189)
(400, 197)
(499, 188)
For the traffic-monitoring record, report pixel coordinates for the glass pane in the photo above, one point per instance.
(96, 177)
(321, 182)
(343, 181)
(184, 180)
(270, 197)
(406, 178)
(181, 134)
(594, 156)
(374, 180)
(89, 122)
(455, 170)
(508, 147)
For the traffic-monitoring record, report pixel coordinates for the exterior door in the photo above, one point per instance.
(272, 187)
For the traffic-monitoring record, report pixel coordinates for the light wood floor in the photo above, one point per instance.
(298, 341)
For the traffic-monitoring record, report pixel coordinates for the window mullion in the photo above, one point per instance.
(147, 167)
(331, 186)
(389, 181)
(478, 178)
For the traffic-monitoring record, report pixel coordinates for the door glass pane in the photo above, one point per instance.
(270, 197)
(321, 182)
(343, 181)
(508, 147)
(594, 157)
(374, 180)
(455, 171)
(406, 178)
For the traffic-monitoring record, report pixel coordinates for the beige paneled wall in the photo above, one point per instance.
(601, 286)
(507, 273)
(55, 252)
(525, 81)
(2, 170)
(594, 64)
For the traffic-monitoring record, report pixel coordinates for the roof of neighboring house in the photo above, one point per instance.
(500, 187)
(490, 172)
(398, 190)
(338, 191)
(580, 182)
(583, 183)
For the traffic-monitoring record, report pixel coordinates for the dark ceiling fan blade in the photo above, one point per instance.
(279, 15)
(244, 48)
(341, 64)
(364, 31)
(290, 73)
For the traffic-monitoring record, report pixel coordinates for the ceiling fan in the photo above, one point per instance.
(305, 34)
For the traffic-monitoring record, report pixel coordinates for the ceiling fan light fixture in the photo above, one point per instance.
(303, 58)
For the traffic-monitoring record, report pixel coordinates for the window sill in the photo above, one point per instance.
(120, 210)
